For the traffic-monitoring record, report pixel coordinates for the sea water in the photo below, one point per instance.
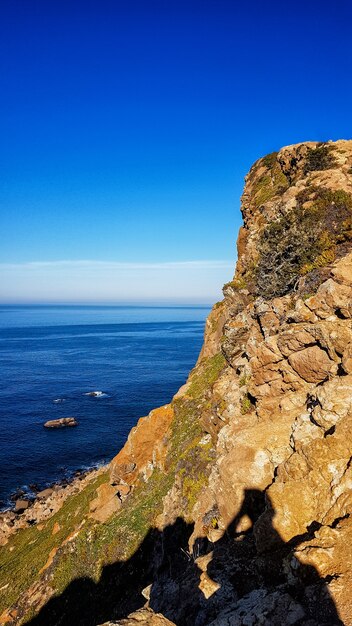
(53, 356)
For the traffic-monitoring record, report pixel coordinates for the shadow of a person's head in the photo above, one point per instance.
(253, 555)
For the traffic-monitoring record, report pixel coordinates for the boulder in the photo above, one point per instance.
(311, 364)
(105, 504)
(145, 448)
(42, 495)
(21, 505)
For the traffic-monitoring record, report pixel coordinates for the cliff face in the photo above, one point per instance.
(231, 505)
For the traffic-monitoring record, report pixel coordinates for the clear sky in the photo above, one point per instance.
(127, 127)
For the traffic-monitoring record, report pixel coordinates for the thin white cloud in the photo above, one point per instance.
(116, 265)
(113, 281)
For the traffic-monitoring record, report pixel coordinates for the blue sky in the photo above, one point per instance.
(127, 128)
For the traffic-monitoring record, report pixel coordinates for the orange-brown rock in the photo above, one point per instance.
(106, 503)
(311, 364)
(347, 358)
(145, 448)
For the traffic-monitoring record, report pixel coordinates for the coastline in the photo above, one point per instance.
(67, 354)
(45, 503)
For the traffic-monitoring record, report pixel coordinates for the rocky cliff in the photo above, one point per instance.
(230, 506)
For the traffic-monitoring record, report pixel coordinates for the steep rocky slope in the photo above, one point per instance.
(230, 506)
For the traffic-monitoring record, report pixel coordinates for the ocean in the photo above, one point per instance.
(53, 356)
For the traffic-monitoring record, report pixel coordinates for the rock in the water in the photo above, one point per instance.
(61, 423)
(17, 495)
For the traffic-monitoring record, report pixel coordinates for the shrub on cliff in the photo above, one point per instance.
(303, 240)
(319, 158)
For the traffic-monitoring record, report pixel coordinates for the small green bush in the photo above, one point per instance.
(270, 159)
(319, 158)
(246, 404)
(243, 380)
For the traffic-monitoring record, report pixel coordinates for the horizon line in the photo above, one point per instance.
(120, 304)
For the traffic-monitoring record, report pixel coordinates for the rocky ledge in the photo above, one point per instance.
(231, 505)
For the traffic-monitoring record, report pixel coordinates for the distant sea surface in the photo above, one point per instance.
(52, 356)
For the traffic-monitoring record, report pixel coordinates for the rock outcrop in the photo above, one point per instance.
(143, 617)
(232, 505)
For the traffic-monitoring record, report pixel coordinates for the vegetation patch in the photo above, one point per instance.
(28, 550)
(186, 429)
(204, 376)
(191, 489)
(244, 379)
(116, 540)
(190, 457)
(94, 546)
(320, 158)
(237, 283)
(246, 404)
(193, 468)
(303, 240)
(273, 182)
(270, 160)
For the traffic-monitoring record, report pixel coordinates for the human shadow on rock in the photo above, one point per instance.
(252, 562)
(248, 570)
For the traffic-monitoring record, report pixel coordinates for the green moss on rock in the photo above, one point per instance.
(271, 183)
(204, 376)
(28, 550)
(246, 404)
